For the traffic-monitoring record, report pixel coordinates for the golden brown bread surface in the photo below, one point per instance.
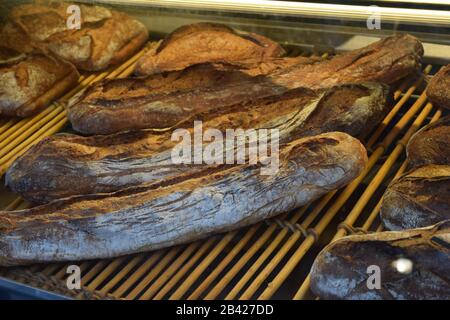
(65, 165)
(106, 37)
(140, 103)
(30, 79)
(182, 209)
(385, 61)
(207, 43)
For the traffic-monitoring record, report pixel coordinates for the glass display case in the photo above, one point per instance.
(272, 259)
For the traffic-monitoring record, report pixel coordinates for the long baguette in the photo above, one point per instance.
(66, 165)
(180, 210)
(385, 61)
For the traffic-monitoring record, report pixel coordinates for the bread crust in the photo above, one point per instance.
(207, 43)
(65, 165)
(342, 269)
(186, 208)
(385, 61)
(106, 37)
(32, 82)
(430, 145)
(438, 90)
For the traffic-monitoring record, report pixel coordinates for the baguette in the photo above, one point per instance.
(207, 43)
(65, 165)
(340, 271)
(184, 209)
(106, 37)
(385, 61)
(438, 90)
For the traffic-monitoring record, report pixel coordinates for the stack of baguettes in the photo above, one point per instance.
(117, 190)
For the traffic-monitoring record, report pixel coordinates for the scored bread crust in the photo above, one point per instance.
(65, 165)
(179, 210)
(32, 81)
(384, 61)
(106, 37)
(207, 43)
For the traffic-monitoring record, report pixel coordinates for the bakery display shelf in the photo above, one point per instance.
(270, 259)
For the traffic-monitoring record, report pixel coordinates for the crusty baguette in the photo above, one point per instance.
(30, 81)
(207, 43)
(122, 91)
(421, 196)
(386, 61)
(438, 90)
(180, 210)
(65, 165)
(343, 268)
(106, 37)
(163, 100)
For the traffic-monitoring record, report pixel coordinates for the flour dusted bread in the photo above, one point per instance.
(430, 145)
(179, 210)
(106, 37)
(65, 165)
(384, 61)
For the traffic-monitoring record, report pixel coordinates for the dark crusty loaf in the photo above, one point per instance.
(162, 100)
(65, 165)
(421, 196)
(386, 61)
(114, 92)
(186, 208)
(438, 90)
(30, 81)
(106, 37)
(343, 268)
(430, 145)
(207, 43)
